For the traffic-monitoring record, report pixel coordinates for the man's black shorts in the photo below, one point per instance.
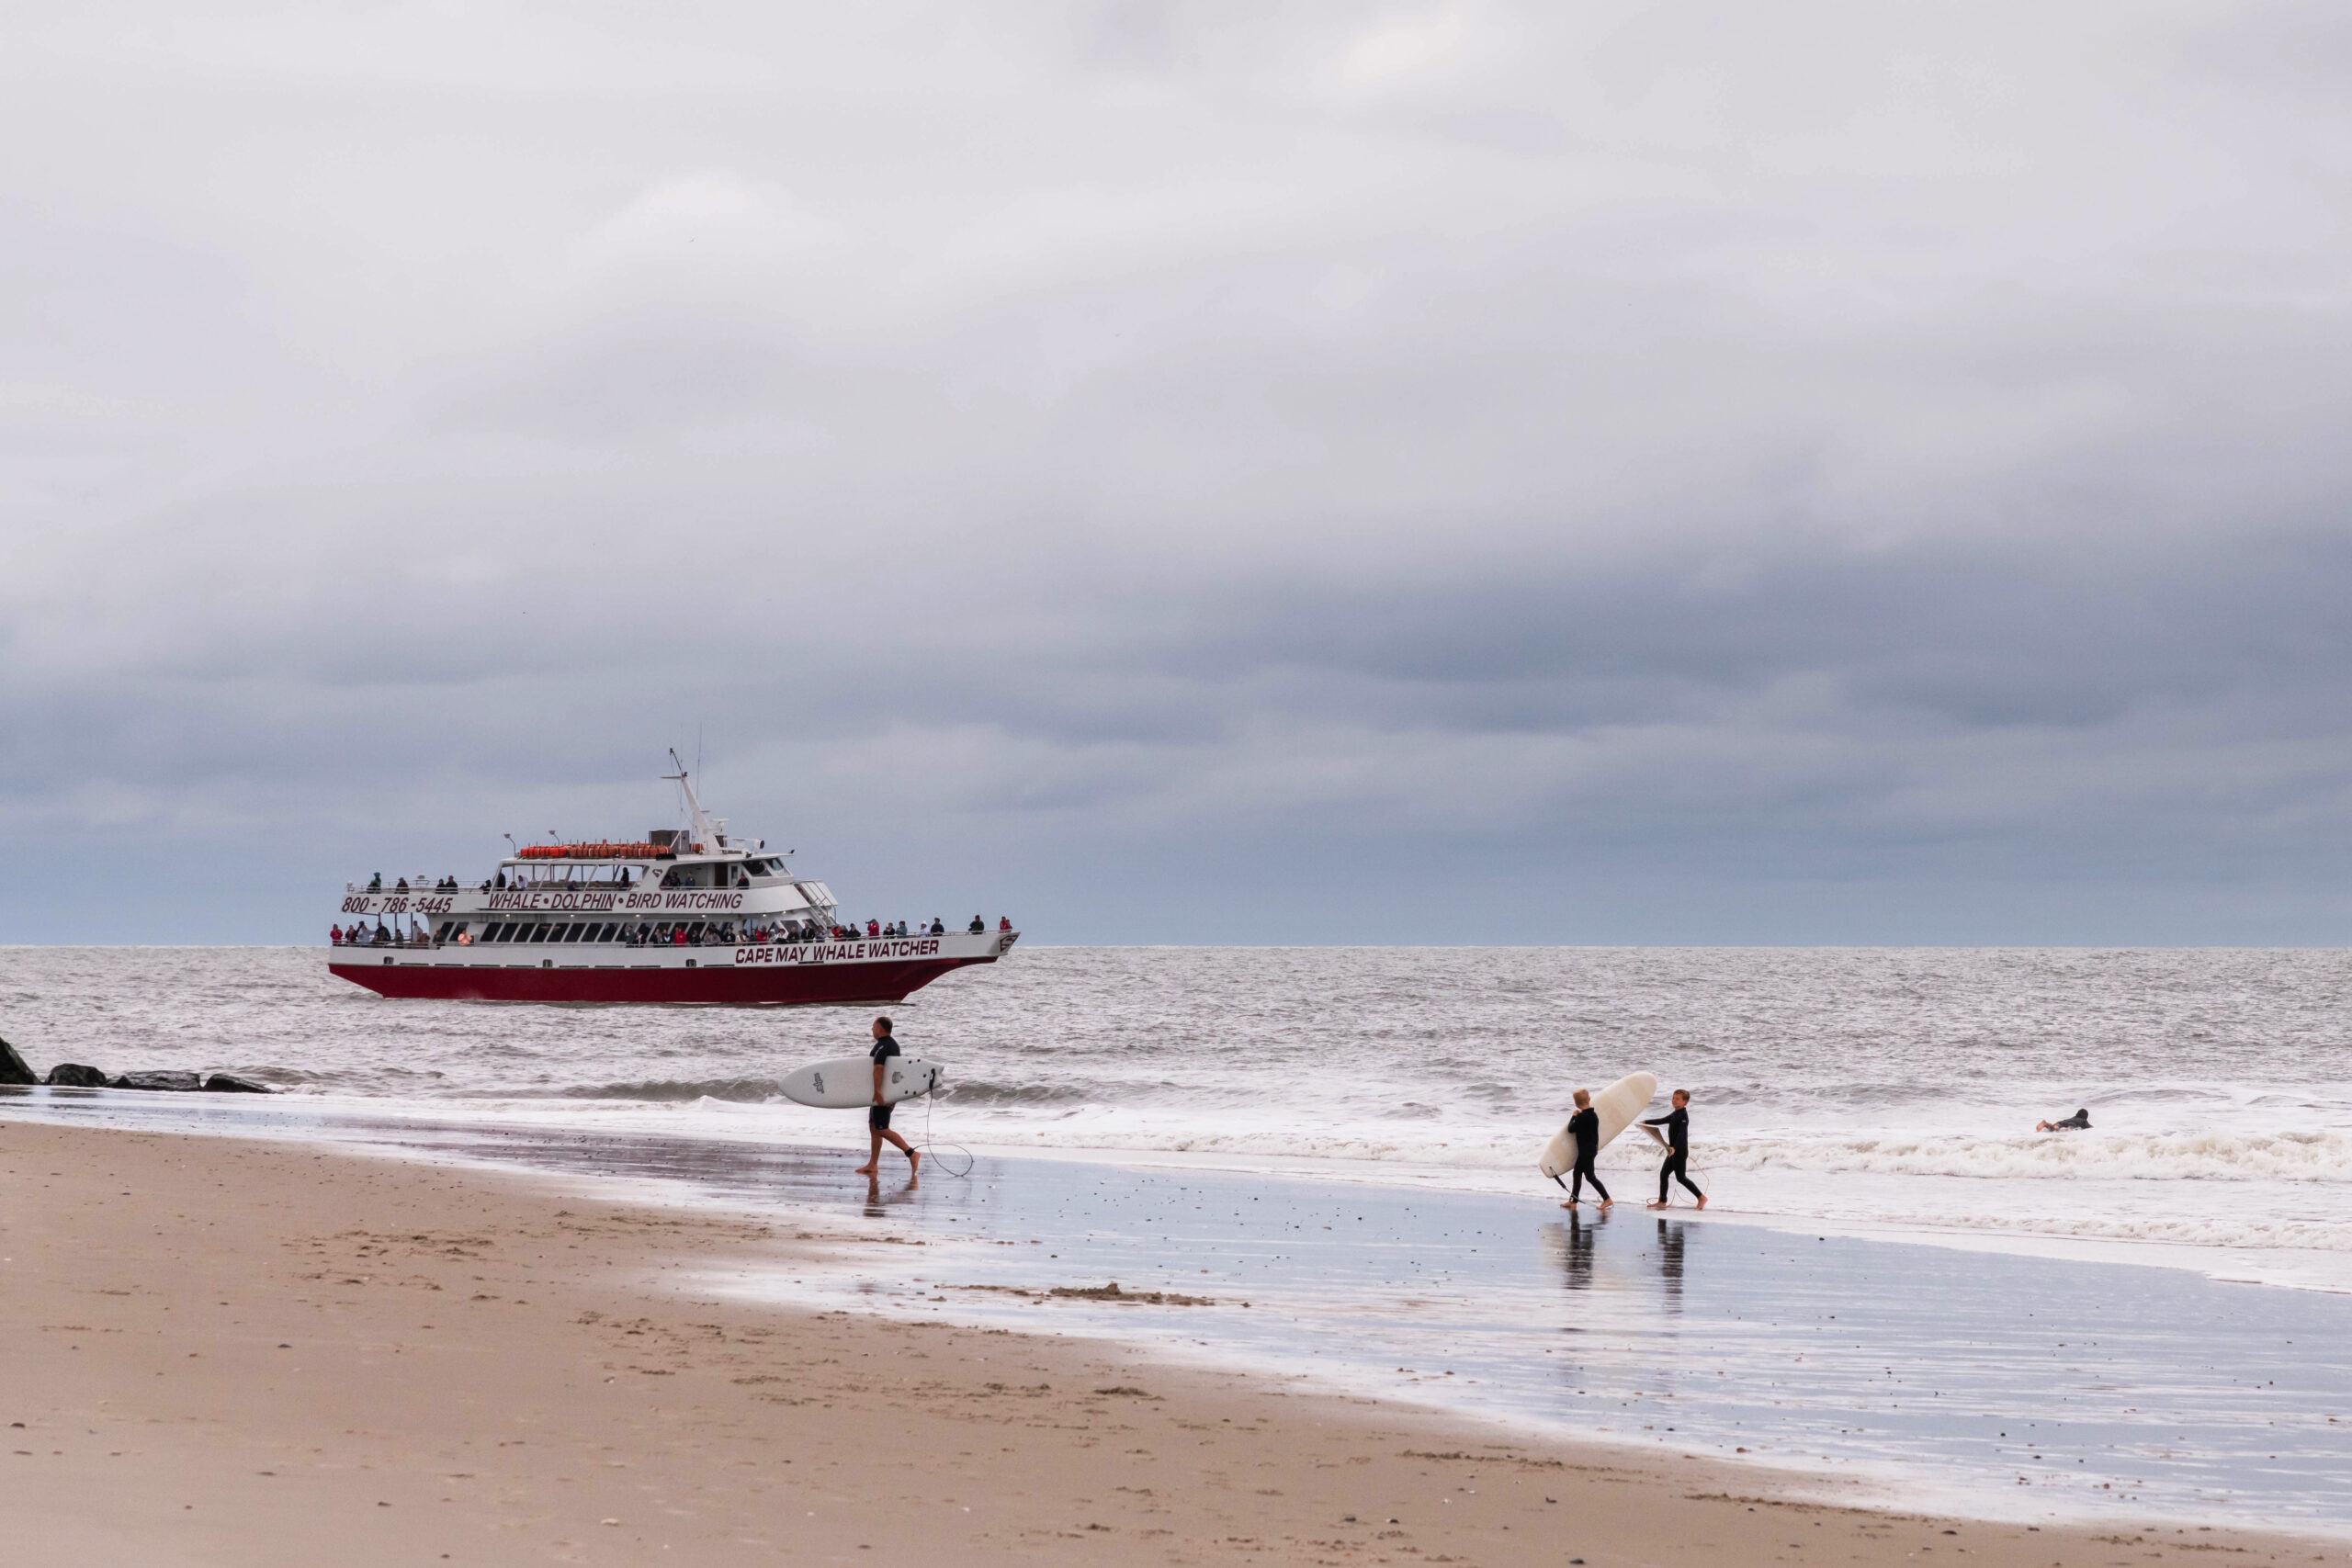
(878, 1117)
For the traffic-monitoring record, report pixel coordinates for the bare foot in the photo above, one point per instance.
(1569, 1204)
(1659, 1204)
(1702, 1200)
(1605, 1204)
(862, 1170)
(914, 1163)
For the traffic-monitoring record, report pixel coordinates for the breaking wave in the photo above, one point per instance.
(2193, 1157)
(666, 1091)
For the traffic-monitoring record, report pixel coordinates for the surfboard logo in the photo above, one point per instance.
(820, 1079)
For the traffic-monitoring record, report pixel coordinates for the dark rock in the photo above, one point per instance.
(181, 1081)
(12, 1066)
(229, 1083)
(73, 1075)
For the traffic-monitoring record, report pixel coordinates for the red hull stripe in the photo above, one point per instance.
(765, 986)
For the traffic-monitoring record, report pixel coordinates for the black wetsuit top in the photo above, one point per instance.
(2080, 1122)
(878, 1116)
(1584, 1130)
(1678, 1129)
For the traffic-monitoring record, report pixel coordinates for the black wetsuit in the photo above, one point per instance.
(1584, 1130)
(878, 1116)
(1677, 1151)
(2080, 1122)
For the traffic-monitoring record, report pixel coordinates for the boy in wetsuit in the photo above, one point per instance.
(878, 1118)
(2080, 1122)
(1677, 1123)
(1584, 1130)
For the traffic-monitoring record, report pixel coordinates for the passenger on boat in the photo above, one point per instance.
(502, 882)
(1004, 923)
(978, 925)
(335, 935)
(937, 927)
(376, 882)
(677, 936)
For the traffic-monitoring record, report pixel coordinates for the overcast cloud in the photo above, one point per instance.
(1486, 472)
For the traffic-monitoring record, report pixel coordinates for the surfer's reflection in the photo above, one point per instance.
(877, 1204)
(1669, 1263)
(1572, 1245)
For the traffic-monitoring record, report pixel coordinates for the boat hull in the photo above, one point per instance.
(813, 975)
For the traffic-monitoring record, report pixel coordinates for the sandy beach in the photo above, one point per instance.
(230, 1351)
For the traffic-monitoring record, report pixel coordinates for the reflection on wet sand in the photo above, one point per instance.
(2149, 1389)
(1573, 1244)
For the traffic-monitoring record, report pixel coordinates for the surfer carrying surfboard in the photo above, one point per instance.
(1677, 1123)
(1584, 1128)
(877, 1118)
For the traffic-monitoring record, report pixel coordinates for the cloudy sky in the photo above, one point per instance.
(1486, 472)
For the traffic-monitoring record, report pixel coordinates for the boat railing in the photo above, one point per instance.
(428, 890)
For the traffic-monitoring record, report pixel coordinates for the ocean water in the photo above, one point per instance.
(1852, 1092)
(1862, 1369)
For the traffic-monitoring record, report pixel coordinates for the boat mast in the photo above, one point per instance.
(706, 831)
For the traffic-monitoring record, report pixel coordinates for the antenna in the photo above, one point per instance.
(705, 832)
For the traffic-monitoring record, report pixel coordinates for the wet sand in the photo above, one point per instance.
(234, 1351)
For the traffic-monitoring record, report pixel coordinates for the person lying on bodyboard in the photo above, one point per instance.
(2080, 1122)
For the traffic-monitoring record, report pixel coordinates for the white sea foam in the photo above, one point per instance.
(2150, 1156)
(1891, 1087)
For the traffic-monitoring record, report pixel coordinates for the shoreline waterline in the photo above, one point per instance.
(1683, 1335)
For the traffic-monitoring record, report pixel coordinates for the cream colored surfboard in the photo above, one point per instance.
(848, 1083)
(1619, 1106)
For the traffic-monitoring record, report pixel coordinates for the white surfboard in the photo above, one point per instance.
(1619, 1106)
(847, 1083)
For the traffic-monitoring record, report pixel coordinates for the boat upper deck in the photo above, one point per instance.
(736, 881)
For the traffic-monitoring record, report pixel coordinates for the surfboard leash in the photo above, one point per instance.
(930, 1148)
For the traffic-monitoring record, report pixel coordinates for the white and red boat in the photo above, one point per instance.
(688, 915)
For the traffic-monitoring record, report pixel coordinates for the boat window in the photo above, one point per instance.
(609, 931)
(539, 933)
(581, 932)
